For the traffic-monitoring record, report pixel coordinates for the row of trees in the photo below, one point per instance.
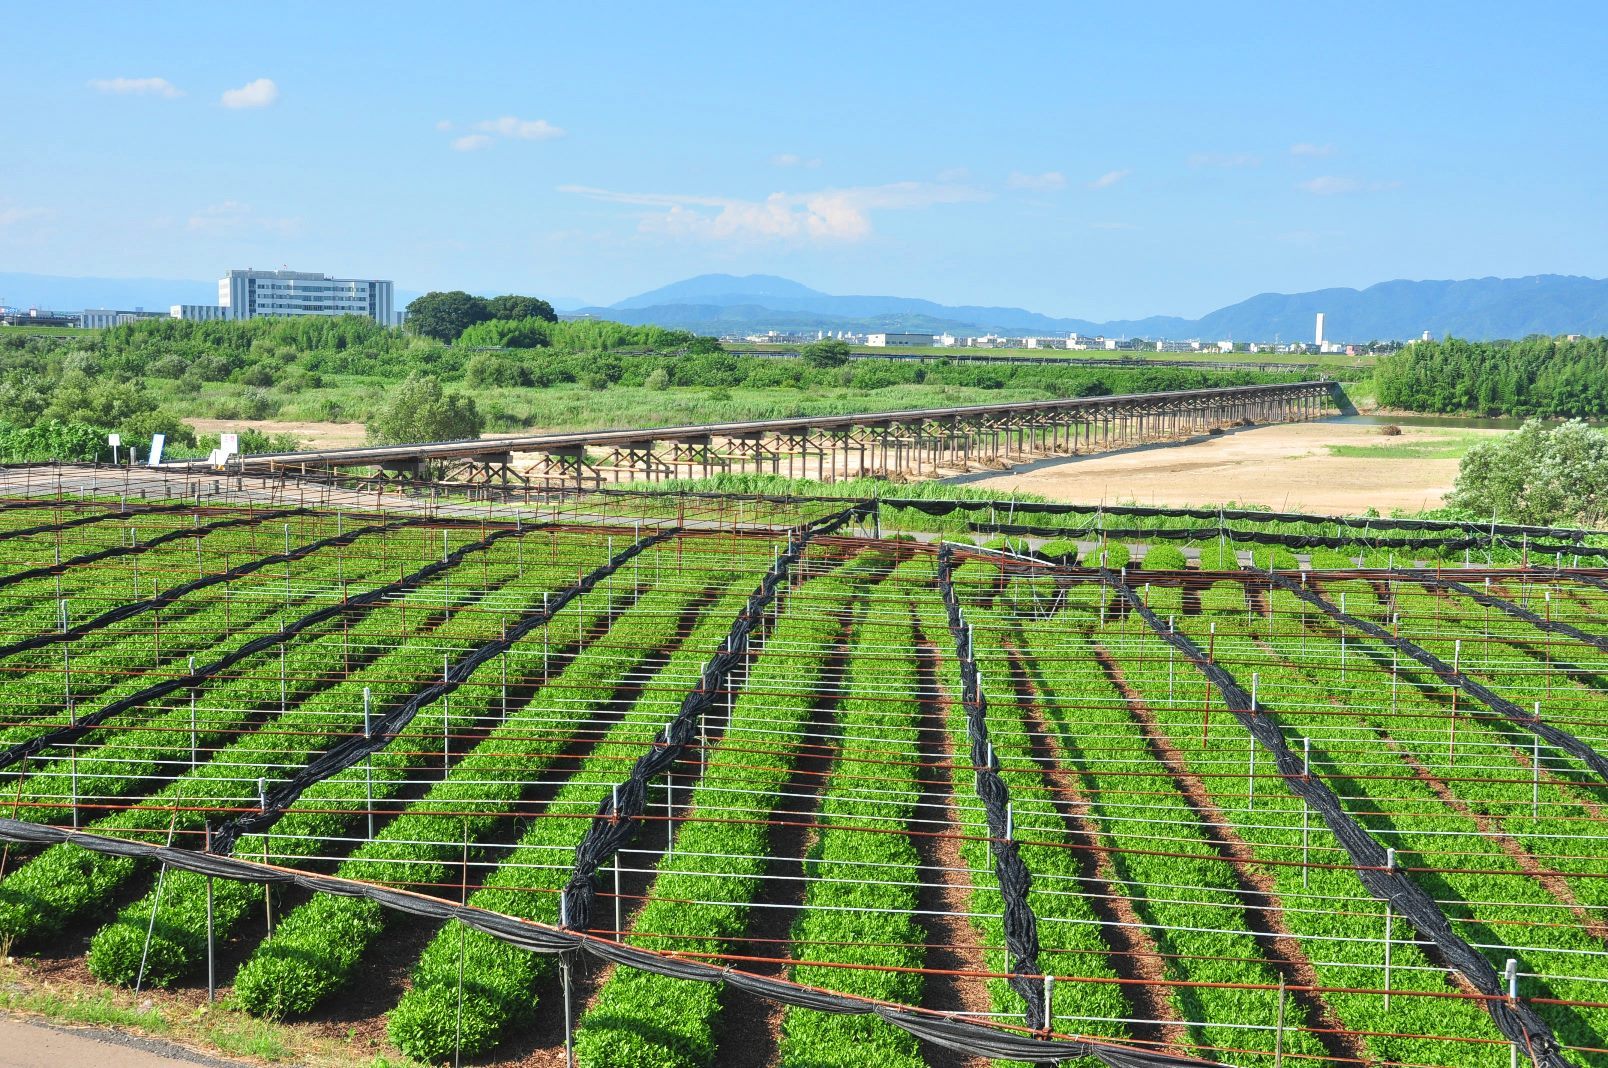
(580, 335)
(1544, 376)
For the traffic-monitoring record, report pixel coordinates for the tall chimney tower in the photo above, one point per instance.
(1320, 330)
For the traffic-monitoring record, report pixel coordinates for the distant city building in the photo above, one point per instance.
(1045, 342)
(1318, 340)
(880, 341)
(36, 317)
(198, 313)
(250, 294)
(100, 318)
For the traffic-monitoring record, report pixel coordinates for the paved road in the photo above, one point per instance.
(26, 1043)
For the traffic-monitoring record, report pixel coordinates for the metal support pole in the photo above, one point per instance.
(212, 975)
(1535, 769)
(1390, 923)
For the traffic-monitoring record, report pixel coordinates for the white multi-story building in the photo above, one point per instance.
(248, 294)
(198, 313)
(881, 341)
(100, 318)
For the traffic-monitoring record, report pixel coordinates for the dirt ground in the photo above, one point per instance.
(1285, 466)
(311, 435)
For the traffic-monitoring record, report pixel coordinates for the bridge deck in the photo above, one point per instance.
(377, 455)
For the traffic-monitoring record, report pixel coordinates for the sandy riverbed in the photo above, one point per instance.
(311, 435)
(1286, 466)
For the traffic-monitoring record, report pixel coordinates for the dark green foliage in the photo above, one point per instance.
(510, 306)
(444, 316)
(828, 352)
(1536, 376)
(53, 440)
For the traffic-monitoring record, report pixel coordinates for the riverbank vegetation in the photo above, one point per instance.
(1544, 376)
(148, 377)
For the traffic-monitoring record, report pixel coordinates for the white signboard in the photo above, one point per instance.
(157, 441)
(114, 440)
(229, 445)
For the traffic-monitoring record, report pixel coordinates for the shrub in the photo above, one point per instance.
(1541, 474)
(495, 369)
(828, 352)
(420, 410)
(257, 403)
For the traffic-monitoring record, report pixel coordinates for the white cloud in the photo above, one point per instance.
(488, 131)
(1307, 148)
(520, 129)
(1109, 179)
(231, 218)
(793, 159)
(1038, 182)
(136, 87)
(1225, 159)
(1331, 184)
(829, 215)
(254, 94)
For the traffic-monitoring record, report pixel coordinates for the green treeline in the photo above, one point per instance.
(105, 379)
(58, 397)
(1549, 377)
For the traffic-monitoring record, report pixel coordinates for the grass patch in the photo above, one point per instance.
(97, 1010)
(1441, 448)
(218, 1028)
(245, 1037)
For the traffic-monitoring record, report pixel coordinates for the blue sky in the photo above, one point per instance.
(1097, 160)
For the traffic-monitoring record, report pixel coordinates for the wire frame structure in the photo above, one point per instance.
(750, 780)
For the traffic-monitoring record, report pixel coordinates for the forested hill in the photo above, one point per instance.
(1536, 376)
(1396, 310)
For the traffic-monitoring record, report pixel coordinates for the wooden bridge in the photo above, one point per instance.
(919, 443)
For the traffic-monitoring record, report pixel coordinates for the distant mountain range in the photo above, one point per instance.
(722, 303)
(1476, 308)
(55, 293)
